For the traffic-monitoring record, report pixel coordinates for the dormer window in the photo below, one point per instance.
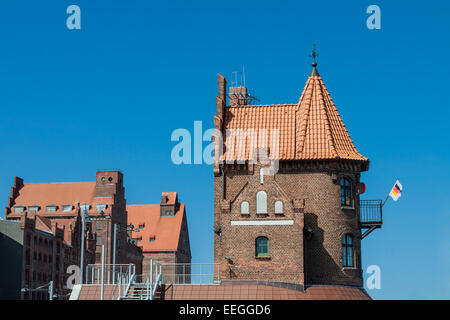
(67, 208)
(168, 213)
(33, 208)
(19, 209)
(100, 207)
(140, 227)
(152, 238)
(51, 208)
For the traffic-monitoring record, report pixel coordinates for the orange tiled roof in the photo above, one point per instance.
(43, 224)
(166, 230)
(310, 129)
(240, 292)
(261, 292)
(59, 194)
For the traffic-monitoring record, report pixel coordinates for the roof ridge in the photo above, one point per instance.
(305, 125)
(34, 183)
(327, 118)
(263, 105)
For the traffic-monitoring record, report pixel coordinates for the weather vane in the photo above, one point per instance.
(314, 54)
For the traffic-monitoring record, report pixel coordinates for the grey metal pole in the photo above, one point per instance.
(82, 245)
(103, 273)
(50, 290)
(114, 251)
(151, 273)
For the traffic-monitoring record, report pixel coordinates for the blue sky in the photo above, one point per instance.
(110, 95)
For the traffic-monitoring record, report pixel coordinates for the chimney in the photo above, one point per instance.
(221, 98)
(238, 96)
(169, 204)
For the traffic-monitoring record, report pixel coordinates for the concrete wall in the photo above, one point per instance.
(11, 253)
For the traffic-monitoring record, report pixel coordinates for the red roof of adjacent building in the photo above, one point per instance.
(59, 194)
(261, 292)
(310, 129)
(165, 230)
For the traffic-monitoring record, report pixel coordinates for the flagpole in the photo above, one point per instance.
(386, 199)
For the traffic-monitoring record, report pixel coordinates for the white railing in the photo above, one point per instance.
(190, 273)
(130, 282)
(113, 274)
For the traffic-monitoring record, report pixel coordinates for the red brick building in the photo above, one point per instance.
(285, 229)
(60, 205)
(299, 226)
(161, 230)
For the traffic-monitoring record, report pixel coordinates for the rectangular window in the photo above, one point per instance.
(262, 247)
(19, 209)
(67, 208)
(33, 208)
(51, 208)
(100, 207)
(99, 240)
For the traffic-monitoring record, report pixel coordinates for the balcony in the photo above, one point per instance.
(370, 215)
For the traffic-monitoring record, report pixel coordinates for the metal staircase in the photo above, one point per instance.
(147, 287)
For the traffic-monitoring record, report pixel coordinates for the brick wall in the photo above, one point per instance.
(311, 199)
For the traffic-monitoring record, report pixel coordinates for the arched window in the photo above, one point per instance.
(346, 193)
(347, 251)
(278, 206)
(262, 247)
(261, 202)
(244, 207)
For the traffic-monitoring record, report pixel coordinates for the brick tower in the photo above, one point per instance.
(298, 222)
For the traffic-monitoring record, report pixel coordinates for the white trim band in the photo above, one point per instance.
(262, 222)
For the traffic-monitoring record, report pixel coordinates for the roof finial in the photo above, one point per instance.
(314, 54)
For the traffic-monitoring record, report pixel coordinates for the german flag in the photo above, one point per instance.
(396, 191)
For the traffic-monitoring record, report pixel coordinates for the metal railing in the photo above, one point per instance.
(190, 273)
(113, 274)
(144, 287)
(370, 212)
